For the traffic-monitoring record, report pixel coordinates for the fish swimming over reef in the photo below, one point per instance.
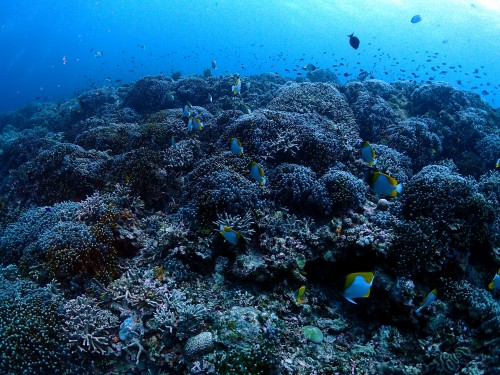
(214, 64)
(385, 185)
(186, 110)
(257, 173)
(431, 297)
(244, 108)
(75, 106)
(195, 123)
(229, 234)
(236, 147)
(357, 285)
(236, 89)
(495, 283)
(353, 41)
(416, 19)
(300, 294)
(368, 153)
(310, 67)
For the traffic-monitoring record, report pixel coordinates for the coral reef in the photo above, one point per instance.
(112, 260)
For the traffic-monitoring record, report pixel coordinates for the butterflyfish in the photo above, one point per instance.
(357, 285)
(431, 297)
(495, 283)
(257, 173)
(385, 185)
(236, 89)
(245, 109)
(300, 294)
(187, 109)
(229, 235)
(75, 106)
(236, 147)
(368, 153)
(195, 124)
(353, 41)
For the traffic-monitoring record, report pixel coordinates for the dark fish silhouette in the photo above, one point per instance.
(416, 19)
(353, 41)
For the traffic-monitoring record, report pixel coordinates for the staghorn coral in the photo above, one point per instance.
(88, 328)
(241, 224)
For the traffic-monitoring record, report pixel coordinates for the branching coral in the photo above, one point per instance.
(87, 327)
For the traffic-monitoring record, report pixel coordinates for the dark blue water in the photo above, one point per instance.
(53, 49)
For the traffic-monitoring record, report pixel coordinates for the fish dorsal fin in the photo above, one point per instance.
(261, 172)
(391, 180)
(368, 276)
(349, 279)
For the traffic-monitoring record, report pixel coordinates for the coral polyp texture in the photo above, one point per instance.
(136, 238)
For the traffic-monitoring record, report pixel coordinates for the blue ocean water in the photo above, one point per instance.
(53, 49)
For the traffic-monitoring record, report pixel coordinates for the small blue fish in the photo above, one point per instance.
(195, 124)
(357, 285)
(416, 19)
(229, 235)
(431, 297)
(236, 89)
(209, 98)
(187, 109)
(75, 106)
(198, 124)
(172, 142)
(214, 64)
(495, 283)
(257, 173)
(368, 153)
(235, 146)
(385, 185)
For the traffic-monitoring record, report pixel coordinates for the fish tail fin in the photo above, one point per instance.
(350, 300)
(399, 188)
